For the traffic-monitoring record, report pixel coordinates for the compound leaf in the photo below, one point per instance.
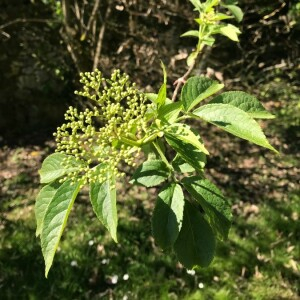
(103, 199)
(195, 245)
(167, 215)
(42, 202)
(234, 121)
(55, 220)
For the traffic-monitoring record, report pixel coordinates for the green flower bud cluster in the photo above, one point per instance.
(107, 133)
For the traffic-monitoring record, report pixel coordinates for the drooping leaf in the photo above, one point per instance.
(170, 111)
(167, 215)
(193, 33)
(191, 154)
(55, 220)
(196, 89)
(151, 173)
(245, 102)
(42, 202)
(230, 31)
(216, 207)
(236, 12)
(195, 245)
(180, 165)
(103, 199)
(183, 133)
(53, 168)
(234, 121)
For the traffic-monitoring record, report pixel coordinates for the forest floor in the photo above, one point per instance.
(260, 260)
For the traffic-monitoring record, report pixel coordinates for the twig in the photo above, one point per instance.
(100, 39)
(92, 17)
(182, 80)
(65, 37)
(19, 20)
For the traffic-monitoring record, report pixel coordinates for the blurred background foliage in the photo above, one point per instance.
(44, 44)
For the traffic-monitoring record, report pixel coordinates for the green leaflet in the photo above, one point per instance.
(151, 173)
(193, 33)
(216, 207)
(245, 102)
(234, 121)
(169, 111)
(196, 89)
(103, 199)
(195, 245)
(183, 133)
(180, 165)
(230, 31)
(162, 95)
(192, 155)
(236, 12)
(167, 215)
(55, 220)
(52, 167)
(42, 202)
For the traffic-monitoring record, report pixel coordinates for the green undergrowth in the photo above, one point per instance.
(258, 262)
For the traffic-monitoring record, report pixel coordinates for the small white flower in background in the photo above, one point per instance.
(191, 272)
(91, 243)
(105, 261)
(201, 285)
(125, 277)
(125, 297)
(114, 279)
(74, 263)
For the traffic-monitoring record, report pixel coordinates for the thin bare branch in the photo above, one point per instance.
(25, 20)
(100, 38)
(92, 17)
(180, 81)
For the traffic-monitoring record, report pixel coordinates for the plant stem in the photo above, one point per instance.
(163, 157)
(182, 80)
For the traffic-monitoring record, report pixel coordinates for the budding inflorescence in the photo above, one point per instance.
(105, 134)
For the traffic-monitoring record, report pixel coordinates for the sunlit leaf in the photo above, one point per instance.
(245, 102)
(103, 199)
(53, 167)
(234, 121)
(42, 202)
(196, 89)
(167, 215)
(55, 220)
